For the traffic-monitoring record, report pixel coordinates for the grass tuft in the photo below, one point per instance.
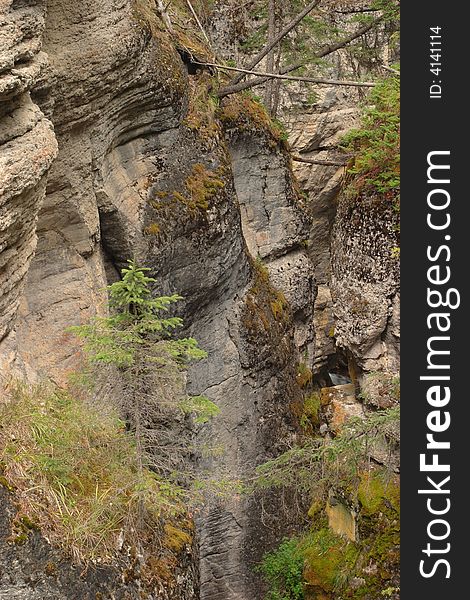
(74, 471)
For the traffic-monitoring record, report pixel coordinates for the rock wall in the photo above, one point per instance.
(136, 174)
(365, 282)
(27, 149)
(146, 166)
(315, 134)
(103, 92)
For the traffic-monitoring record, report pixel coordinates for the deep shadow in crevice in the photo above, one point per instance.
(192, 65)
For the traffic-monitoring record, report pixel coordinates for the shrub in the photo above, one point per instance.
(137, 365)
(283, 571)
(376, 143)
(319, 464)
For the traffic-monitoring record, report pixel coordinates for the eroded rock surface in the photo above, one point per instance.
(134, 178)
(27, 149)
(365, 281)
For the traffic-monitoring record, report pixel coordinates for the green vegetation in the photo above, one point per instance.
(320, 561)
(201, 186)
(203, 105)
(245, 112)
(266, 308)
(136, 322)
(376, 491)
(318, 558)
(329, 560)
(200, 190)
(310, 417)
(376, 144)
(304, 375)
(97, 467)
(136, 364)
(320, 464)
(283, 570)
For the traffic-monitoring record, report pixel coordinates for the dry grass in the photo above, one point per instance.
(74, 473)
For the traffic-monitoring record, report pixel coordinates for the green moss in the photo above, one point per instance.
(5, 483)
(304, 375)
(176, 538)
(278, 306)
(246, 113)
(27, 524)
(152, 229)
(315, 508)
(329, 560)
(200, 187)
(261, 272)
(378, 491)
(267, 310)
(20, 539)
(310, 416)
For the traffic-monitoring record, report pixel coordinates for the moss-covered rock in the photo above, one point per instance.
(243, 114)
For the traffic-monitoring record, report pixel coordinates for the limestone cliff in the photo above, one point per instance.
(135, 175)
(28, 147)
(111, 147)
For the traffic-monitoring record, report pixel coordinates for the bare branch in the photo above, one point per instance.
(345, 41)
(316, 80)
(317, 161)
(164, 15)
(233, 88)
(353, 11)
(244, 85)
(196, 18)
(394, 71)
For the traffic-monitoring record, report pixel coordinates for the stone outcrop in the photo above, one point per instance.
(315, 134)
(27, 149)
(340, 404)
(365, 282)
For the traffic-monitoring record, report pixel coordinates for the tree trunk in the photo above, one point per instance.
(268, 94)
(233, 87)
(276, 87)
(259, 57)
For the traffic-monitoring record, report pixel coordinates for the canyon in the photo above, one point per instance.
(110, 149)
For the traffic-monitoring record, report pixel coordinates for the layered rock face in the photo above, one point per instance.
(103, 92)
(27, 149)
(144, 170)
(255, 338)
(134, 177)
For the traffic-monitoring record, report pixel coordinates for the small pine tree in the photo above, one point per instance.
(135, 364)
